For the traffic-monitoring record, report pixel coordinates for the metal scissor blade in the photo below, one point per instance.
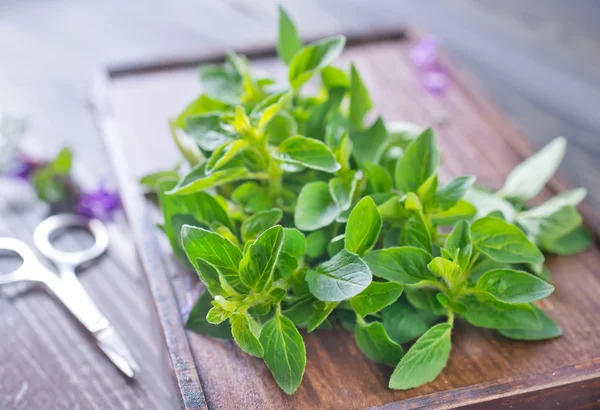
(113, 347)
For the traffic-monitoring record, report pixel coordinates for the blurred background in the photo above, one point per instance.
(539, 60)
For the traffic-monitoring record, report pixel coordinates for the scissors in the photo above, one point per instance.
(65, 285)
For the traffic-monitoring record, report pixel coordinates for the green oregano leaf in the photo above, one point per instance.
(251, 196)
(151, 180)
(284, 352)
(449, 271)
(415, 233)
(548, 229)
(459, 243)
(321, 310)
(197, 322)
(462, 211)
(315, 207)
(551, 206)
(223, 154)
(200, 106)
(369, 144)
(529, 177)
(316, 243)
(425, 359)
(208, 131)
(216, 251)
(379, 178)
(512, 286)
(419, 162)
(217, 315)
(392, 210)
(343, 276)
(503, 242)
(294, 242)
(425, 299)
(549, 329)
(223, 84)
(363, 227)
(289, 42)
(307, 152)
(375, 297)
(360, 101)
(427, 190)
(487, 203)
(334, 77)
(447, 196)
(197, 180)
(403, 133)
(316, 125)
(259, 222)
(313, 58)
(282, 126)
(404, 323)
(451, 304)
(301, 311)
(257, 265)
(335, 245)
(374, 342)
(342, 190)
(243, 334)
(574, 242)
(406, 265)
(493, 314)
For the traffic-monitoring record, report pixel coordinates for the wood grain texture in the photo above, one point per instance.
(47, 359)
(483, 367)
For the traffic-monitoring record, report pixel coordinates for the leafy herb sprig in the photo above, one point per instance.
(296, 214)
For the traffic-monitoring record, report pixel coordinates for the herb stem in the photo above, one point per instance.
(425, 283)
(274, 172)
(450, 317)
(471, 264)
(359, 319)
(468, 291)
(275, 175)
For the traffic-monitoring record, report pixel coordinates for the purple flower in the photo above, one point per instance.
(432, 74)
(435, 80)
(424, 54)
(24, 167)
(100, 204)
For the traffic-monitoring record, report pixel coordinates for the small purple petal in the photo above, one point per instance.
(424, 53)
(434, 81)
(24, 166)
(431, 73)
(100, 204)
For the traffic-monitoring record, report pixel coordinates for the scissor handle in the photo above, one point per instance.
(28, 269)
(51, 226)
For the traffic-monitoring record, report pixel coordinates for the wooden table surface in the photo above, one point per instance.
(539, 60)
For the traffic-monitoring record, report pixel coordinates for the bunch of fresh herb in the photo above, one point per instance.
(295, 214)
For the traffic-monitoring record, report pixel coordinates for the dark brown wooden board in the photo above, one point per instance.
(484, 370)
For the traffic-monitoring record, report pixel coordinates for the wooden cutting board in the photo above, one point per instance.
(133, 103)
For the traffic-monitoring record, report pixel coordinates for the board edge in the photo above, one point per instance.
(153, 264)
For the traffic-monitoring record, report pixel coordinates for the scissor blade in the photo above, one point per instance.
(113, 347)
